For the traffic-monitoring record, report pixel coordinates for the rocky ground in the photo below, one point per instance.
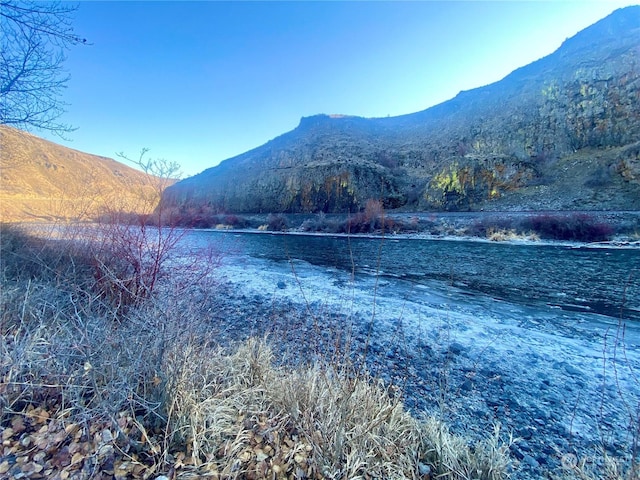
(561, 399)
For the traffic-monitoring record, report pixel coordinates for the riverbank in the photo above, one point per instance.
(588, 229)
(613, 229)
(505, 237)
(566, 390)
(564, 383)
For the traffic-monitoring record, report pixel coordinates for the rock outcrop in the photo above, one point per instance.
(560, 133)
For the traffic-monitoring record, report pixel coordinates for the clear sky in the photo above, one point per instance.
(199, 82)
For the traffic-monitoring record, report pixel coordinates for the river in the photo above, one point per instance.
(603, 281)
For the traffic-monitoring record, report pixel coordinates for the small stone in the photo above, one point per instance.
(17, 424)
(107, 436)
(530, 461)
(261, 455)
(456, 348)
(573, 371)
(77, 458)
(527, 433)
(424, 469)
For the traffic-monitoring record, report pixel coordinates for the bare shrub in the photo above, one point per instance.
(482, 226)
(61, 343)
(367, 221)
(321, 223)
(579, 227)
(372, 219)
(601, 177)
(496, 235)
(277, 223)
(131, 251)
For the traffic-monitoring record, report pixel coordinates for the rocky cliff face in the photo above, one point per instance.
(560, 133)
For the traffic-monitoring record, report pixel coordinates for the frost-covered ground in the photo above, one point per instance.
(563, 383)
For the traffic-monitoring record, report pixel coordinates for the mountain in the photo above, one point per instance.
(560, 133)
(43, 181)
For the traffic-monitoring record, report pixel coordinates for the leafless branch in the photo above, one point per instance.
(32, 47)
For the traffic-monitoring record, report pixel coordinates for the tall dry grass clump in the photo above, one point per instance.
(241, 417)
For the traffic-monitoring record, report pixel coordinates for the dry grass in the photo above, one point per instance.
(231, 414)
(605, 468)
(502, 235)
(43, 181)
(355, 428)
(240, 416)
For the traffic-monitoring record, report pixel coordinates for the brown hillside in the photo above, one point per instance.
(43, 181)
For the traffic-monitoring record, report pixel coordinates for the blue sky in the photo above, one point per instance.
(199, 82)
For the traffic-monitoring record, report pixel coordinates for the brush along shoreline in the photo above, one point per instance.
(568, 228)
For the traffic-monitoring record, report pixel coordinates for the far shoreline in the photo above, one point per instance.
(454, 226)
